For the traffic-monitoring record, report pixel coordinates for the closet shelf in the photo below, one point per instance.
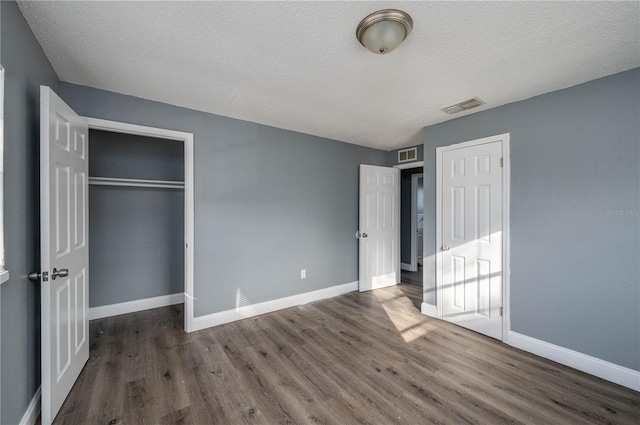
(112, 181)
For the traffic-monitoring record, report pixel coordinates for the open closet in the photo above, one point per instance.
(136, 226)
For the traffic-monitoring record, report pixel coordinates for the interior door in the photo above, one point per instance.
(471, 252)
(64, 249)
(379, 232)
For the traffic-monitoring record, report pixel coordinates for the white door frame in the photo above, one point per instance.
(414, 164)
(506, 233)
(187, 139)
(406, 166)
(414, 220)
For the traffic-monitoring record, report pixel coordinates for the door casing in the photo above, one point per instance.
(408, 166)
(506, 178)
(414, 221)
(187, 139)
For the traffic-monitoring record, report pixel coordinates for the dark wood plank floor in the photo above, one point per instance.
(361, 358)
(411, 278)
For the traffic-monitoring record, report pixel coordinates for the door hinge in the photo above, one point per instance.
(501, 162)
(501, 310)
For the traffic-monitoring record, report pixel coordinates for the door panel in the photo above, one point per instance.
(471, 256)
(379, 215)
(63, 215)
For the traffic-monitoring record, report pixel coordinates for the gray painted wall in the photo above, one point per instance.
(405, 213)
(575, 243)
(268, 202)
(129, 156)
(26, 67)
(136, 235)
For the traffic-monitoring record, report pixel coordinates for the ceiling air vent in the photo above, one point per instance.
(406, 155)
(463, 106)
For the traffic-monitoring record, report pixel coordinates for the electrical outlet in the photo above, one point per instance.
(303, 274)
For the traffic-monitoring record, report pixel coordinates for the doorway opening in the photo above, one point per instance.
(411, 223)
(136, 212)
(124, 180)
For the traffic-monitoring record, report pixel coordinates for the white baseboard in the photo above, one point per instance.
(33, 410)
(227, 316)
(611, 372)
(405, 266)
(133, 306)
(429, 310)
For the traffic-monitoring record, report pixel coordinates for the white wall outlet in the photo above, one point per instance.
(303, 274)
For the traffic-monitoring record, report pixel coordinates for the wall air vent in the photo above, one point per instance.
(463, 106)
(406, 155)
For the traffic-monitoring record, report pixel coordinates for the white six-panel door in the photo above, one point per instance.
(64, 247)
(470, 269)
(379, 227)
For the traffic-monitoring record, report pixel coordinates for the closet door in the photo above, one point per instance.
(64, 249)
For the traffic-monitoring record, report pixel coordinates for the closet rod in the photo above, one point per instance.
(112, 181)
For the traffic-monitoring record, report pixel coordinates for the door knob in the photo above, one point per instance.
(445, 247)
(364, 235)
(59, 273)
(35, 276)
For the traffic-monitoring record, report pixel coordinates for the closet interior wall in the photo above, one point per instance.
(136, 227)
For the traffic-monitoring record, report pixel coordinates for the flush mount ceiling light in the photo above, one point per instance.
(384, 30)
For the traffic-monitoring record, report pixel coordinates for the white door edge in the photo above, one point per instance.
(408, 165)
(187, 139)
(506, 232)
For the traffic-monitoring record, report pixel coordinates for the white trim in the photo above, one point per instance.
(438, 254)
(2, 199)
(33, 410)
(4, 275)
(429, 310)
(407, 165)
(243, 312)
(407, 267)
(398, 176)
(189, 232)
(187, 139)
(592, 365)
(113, 181)
(133, 306)
(506, 231)
(506, 235)
(414, 220)
(140, 130)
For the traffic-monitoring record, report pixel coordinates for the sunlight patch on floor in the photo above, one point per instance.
(400, 311)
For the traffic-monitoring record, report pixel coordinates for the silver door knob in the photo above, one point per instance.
(363, 235)
(35, 276)
(445, 247)
(59, 273)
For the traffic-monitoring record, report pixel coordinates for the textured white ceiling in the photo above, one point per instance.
(298, 65)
